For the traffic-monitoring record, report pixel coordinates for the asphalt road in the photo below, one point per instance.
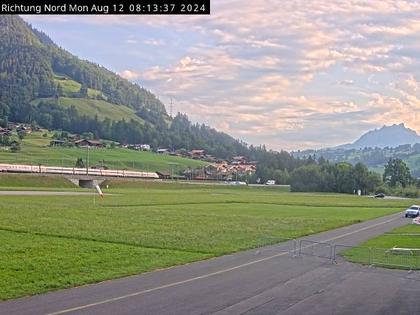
(265, 281)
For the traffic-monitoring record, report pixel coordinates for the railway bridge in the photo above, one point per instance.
(83, 177)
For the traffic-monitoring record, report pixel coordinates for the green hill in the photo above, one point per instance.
(35, 151)
(41, 82)
(93, 107)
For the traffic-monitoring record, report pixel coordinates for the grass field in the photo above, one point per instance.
(35, 150)
(377, 250)
(51, 242)
(92, 107)
(14, 181)
(71, 87)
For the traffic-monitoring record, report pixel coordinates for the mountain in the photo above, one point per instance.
(41, 82)
(44, 84)
(387, 136)
(375, 148)
(30, 63)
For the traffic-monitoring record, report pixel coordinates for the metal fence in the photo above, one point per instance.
(268, 244)
(314, 248)
(336, 253)
(382, 257)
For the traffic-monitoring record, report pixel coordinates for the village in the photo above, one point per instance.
(234, 169)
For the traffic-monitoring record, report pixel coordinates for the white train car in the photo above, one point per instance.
(22, 168)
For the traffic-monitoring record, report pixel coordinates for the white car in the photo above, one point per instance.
(270, 182)
(412, 212)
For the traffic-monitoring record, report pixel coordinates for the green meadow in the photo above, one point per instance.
(35, 151)
(378, 251)
(53, 242)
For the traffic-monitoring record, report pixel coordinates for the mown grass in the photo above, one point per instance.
(92, 107)
(11, 181)
(32, 263)
(71, 87)
(35, 150)
(150, 225)
(378, 251)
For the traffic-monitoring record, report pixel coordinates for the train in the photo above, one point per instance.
(41, 169)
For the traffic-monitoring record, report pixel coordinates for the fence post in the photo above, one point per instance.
(295, 248)
(300, 248)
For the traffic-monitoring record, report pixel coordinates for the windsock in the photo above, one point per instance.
(98, 189)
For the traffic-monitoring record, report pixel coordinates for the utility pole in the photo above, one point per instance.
(87, 160)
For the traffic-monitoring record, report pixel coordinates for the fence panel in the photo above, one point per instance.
(401, 258)
(270, 244)
(318, 249)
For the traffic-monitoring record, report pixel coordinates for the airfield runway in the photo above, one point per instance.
(265, 281)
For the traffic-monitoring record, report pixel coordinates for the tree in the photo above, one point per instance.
(344, 178)
(397, 173)
(361, 175)
(306, 178)
(21, 134)
(79, 163)
(83, 91)
(60, 91)
(15, 147)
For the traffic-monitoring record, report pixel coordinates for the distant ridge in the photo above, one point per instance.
(387, 136)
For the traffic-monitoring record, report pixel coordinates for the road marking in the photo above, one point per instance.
(169, 285)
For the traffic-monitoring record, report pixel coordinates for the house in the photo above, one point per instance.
(236, 160)
(83, 143)
(57, 142)
(162, 151)
(145, 147)
(24, 129)
(197, 154)
(5, 132)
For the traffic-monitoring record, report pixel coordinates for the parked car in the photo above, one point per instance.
(237, 183)
(412, 212)
(380, 195)
(270, 182)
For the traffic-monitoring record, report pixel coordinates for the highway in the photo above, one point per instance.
(263, 281)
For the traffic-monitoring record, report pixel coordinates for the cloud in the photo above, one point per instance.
(131, 41)
(154, 42)
(129, 74)
(346, 82)
(290, 74)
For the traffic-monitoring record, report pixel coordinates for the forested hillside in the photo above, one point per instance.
(36, 80)
(42, 83)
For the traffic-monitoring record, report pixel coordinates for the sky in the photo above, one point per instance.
(291, 74)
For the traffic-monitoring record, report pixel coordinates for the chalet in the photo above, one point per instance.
(24, 129)
(83, 143)
(197, 154)
(145, 147)
(57, 143)
(236, 160)
(5, 132)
